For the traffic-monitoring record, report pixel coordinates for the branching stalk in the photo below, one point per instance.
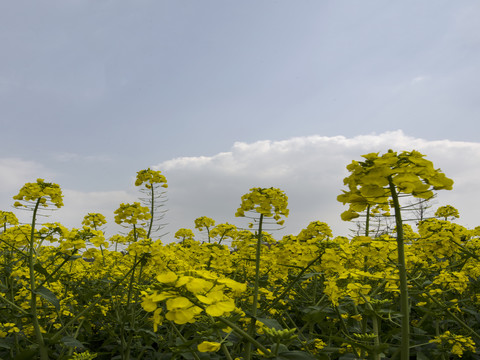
(402, 270)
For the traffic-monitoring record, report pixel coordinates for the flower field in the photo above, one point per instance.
(395, 289)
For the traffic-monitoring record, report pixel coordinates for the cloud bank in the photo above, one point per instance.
(309, 169)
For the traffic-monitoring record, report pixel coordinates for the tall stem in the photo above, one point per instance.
(367, 222)
(251, 329)
(402, 270)
(152, 209)
(33, 294)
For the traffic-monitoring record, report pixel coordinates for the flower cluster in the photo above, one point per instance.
(370, 181)
(204, 222)
(150, 177)
(132, 213)
(447, 211)
(456, 344)
(94, 220)
(187, 295)
(266, 201)
(40, 191)
(7, 217)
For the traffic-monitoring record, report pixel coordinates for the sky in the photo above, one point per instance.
(222, 96)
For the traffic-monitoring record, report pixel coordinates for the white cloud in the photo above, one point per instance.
(78, 204)
(310, 170)
(14, 172)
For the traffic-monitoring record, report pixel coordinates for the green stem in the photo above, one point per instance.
(376, 340)
(226, 352)
(14, 305)
(152, 203)
(184, 340)
(287, 289)
(50, 276)
(33, 294)
(244, 334)
(375, 328)
(131, 309)
(402, 270)
(277, 346)
(222, 343)
(367, 222)
(251, 329)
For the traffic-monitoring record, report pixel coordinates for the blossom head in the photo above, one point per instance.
(150, 177)
(132, 213)
(40, 191)
(270, 202)
(369, 181)
(94, 220)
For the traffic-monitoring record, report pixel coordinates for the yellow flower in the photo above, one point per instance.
(39, 191)
(319, 343)
(7, 217)
(150, 177)
(208, 346)
(270, 202)
(181, 310)
(194, 285)
(131, 213)
(218, 303)
(157, 319)
(94, 220)
(167, 277)
(357, 317)
(204, 222)
(148, 304)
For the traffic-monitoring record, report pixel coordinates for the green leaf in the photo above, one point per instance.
(72, 342)
(49, 296)
(27, 354)
(422, 356)
(271, 323)
(40, 269)
(5, 343)
(294, 355)
(347, 357)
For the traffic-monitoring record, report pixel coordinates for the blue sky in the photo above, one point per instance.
(93, 91)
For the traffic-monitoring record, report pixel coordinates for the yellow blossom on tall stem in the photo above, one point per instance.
(268, 202)
(42, 194)
(378, 181)
(131, 214)
(152, 180)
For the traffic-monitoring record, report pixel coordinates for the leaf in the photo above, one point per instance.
(27, 354)
(271, 323)
(309, 275)
(40, 269)
(49, 296)
(422, 356)
(72, 342)
(294, 355)
(347, 357)
(5, 343)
